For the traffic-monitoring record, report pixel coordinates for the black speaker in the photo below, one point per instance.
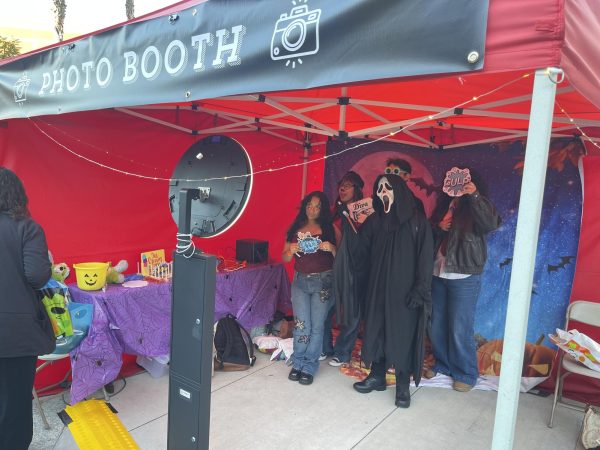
(252, 251)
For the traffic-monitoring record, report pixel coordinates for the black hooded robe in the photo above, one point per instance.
(399, 255)
(348, 282)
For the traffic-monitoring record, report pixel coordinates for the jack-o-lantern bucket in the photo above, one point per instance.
(91, 276)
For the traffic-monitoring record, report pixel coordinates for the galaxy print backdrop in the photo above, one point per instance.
(501, 166)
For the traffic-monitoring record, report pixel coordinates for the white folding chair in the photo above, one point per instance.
(48, 359)
(587, 313)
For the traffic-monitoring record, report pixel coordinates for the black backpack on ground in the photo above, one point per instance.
(233, 345)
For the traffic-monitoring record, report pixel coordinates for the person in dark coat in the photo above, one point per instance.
(348, 284)
(402, 168)
(399, 244)
(460, 226)
(25, 329)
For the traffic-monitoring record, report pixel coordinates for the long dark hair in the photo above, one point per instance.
(324, 220)
(13, 200)
(462, 213)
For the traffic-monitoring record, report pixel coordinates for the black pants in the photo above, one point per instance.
(378, 369)
(16, 383)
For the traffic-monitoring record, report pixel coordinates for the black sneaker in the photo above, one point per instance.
(294, 375)
(305, 378)
(322, 356)
(336, 362)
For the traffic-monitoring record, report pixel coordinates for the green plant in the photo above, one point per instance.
(9, 47)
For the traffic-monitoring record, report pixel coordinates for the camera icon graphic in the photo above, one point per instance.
(20, 88)
(296, 34)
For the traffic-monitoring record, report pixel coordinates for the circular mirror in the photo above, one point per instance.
(220, 161)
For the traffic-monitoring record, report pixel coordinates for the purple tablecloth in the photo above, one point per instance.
(138, 320)
(253, 294)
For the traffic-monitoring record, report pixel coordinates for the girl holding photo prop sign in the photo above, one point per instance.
(311, 242)
(461, 220)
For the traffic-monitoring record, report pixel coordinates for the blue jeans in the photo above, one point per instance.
(452, 334)
(344, 344)
(312, 297)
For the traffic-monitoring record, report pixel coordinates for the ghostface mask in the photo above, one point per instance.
(385, 193)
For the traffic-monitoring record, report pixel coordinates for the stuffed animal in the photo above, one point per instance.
(55, 297)
(115, 274)
(60, 271)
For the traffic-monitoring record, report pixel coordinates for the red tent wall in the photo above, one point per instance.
(587, 273)
(91, 213)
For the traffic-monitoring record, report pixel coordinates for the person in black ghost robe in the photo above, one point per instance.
(398, 243)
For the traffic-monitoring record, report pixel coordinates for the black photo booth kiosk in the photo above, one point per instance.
(192, 318)
(202, 211)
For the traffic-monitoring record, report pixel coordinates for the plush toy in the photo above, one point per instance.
(60, 271)
(115, 274)
(55, 297)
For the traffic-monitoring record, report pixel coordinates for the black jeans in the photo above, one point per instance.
(16, 384)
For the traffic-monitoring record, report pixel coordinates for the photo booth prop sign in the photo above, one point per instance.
(455, 181)
(308, 243)
(154, 258)
(361, 209)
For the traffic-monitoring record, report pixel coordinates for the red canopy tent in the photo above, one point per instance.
(90, 212)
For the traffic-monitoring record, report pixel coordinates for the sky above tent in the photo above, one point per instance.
(32, 21)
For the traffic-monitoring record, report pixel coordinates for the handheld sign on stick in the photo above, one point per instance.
(455, 181)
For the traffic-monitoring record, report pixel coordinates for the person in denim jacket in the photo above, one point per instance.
(311, 243)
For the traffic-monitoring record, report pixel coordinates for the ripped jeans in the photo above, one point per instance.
(312, 297)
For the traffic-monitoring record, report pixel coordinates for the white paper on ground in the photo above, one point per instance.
(486, 383)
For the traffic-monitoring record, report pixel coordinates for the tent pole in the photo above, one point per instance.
(305, 168)
(526, 239)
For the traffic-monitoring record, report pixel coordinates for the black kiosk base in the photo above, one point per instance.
(192, 318)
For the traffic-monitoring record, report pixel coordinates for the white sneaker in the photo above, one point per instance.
(336, 362)
(322, 357)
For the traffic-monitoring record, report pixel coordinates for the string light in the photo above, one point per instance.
(444, 113)
(583, 133)
(101, 150)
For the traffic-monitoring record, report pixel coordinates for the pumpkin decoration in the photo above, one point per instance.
(537, 360)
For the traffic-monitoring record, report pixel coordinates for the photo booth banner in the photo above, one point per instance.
(226, 47)
(500, 166)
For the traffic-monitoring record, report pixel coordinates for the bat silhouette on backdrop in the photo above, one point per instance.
(564, 260)
(424, 185)
(506, 262)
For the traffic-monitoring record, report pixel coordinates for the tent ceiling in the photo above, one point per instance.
(492, 107)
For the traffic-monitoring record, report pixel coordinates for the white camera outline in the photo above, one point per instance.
(296, 16)
(20, 89)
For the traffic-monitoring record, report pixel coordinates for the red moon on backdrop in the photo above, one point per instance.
(371, 166)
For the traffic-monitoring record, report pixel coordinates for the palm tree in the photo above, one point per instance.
(60, 11)
(129, 9)
(9, 47)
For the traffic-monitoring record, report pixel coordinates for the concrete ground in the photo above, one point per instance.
(262, 409)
